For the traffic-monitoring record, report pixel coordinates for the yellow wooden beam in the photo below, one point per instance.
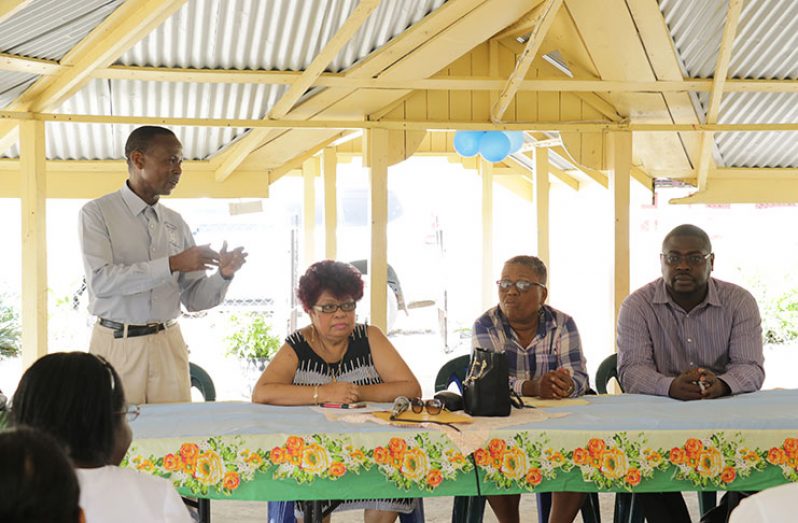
(561, 175)
(706, 162)
(564, 177)
(724, 56)
(435, 83)
(322, 60)
(87, 179)
(128, 24)
(485, 169)
(407, 124)
(34, 242)
(23, 64)
(578, 84)
(310, 170)
(542, 203)
(9, 8)
(329, 170)
(524, 25)
(297, 161)
(620, 187)
(376, 145)
(666, 64)
(550, 9)
(744, 190)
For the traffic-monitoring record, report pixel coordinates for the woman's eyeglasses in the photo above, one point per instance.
(521, 285)
(329, 308)
(433, 406)
(131, 412)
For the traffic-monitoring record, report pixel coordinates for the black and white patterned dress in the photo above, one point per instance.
(356, 367)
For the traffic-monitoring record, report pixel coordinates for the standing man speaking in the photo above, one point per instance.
(141, 263)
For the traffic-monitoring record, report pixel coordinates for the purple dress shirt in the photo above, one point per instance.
(658, 340)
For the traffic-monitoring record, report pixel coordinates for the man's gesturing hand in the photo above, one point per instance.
(230, 262)
(197, 258)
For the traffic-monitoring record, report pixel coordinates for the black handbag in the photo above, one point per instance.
(486, 389)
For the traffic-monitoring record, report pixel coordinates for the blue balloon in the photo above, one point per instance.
(516, 140)
(494, 146)
(466, 143)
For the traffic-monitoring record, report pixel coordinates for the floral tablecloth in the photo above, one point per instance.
(616, 443)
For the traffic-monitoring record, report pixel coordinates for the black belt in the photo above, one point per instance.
(135, 330)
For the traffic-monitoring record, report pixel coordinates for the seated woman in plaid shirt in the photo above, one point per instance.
(544, 355)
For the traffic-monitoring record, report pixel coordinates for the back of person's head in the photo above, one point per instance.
(37, 481)
(76, 397)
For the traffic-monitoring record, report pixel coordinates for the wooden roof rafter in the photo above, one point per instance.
(104, 44)
(234, 155)
(706, 162)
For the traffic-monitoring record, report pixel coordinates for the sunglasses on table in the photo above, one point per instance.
(433, 406)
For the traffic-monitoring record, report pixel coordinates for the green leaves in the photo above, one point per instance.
(10, 329)
(253, 338)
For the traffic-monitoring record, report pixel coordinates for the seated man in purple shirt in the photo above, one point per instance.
(688, 336)
(544, 356)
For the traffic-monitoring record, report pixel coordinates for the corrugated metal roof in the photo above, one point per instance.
(13, 84)
(765, 47)
(178, 100)
(219, 34)
(49, 28)
(269, 35)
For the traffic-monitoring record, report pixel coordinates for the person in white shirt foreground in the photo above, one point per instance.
(78, 398)
(774, 505)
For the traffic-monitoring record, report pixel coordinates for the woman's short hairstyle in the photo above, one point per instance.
(76, 397)
(534, 263)
(340, 279)
(37, 481)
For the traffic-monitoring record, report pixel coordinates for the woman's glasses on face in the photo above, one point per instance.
(329, 308)
(131, 412)
(521, 285)
(433, 406)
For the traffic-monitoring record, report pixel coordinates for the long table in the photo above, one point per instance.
(623, 443)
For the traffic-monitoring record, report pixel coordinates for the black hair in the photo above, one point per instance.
(76, 397)
(339, 278)
(142, 137)
(37, 481)
(534, 263)
(691, 231)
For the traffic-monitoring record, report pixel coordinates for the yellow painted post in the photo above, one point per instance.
(620, 179)
(330, 165)
(488, 289)
(34, 241)
(310, 168)
(377, 161)
(542, 202)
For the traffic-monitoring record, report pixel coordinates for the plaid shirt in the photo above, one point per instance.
(556, 345)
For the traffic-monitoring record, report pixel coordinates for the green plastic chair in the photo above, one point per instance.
(626, 506)
(202, 381)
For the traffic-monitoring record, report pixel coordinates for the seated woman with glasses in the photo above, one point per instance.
(544, 356)
(337, 360)
(78, 399)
